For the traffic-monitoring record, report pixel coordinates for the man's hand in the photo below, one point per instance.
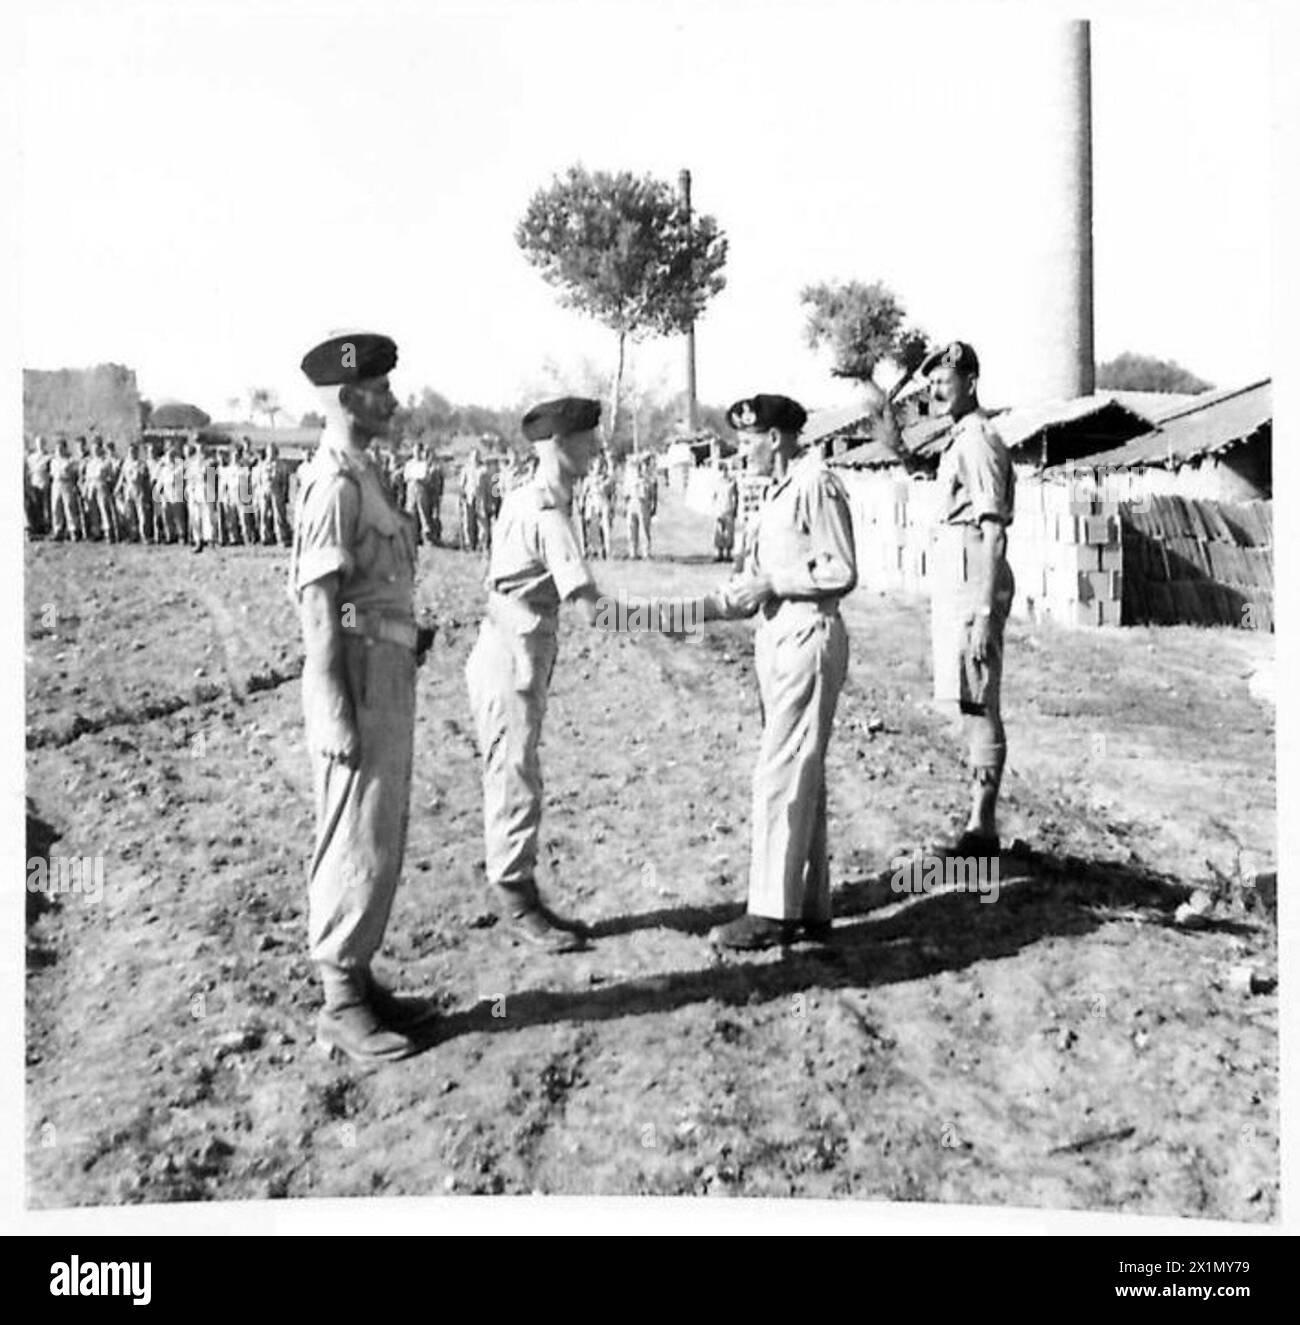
(338, 740)
(748, 593)
(981, 632)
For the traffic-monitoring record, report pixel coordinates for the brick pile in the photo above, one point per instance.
(1200, 562)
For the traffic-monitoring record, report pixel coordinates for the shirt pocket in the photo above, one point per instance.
(382, 549)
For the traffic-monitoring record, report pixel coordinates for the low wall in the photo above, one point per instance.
(1064, 544)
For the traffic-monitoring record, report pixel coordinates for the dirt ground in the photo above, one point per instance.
(1069, 1046)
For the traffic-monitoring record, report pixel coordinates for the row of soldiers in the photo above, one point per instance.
(188, 494)
(595, 503)
(177, 493)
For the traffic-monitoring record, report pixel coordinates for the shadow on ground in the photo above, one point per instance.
(1040, 897)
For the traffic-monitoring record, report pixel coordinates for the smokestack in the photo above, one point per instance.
(692, 408)
(1065, 319)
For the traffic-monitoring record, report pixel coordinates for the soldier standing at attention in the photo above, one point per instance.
(65, 478)
(352, 574)
(98, 477)
(801, 564)
(178, 529)
(38, 488)
(726, 503)
(534, 567)
(85, 494)
(227, 492)
(603, 495)
(972, 584)
(415, 473)
(636, 492)
(133, 490)
(468, 486)
(437, 481)
(272, 488)
(246, 500)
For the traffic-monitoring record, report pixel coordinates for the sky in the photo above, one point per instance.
(204, 192)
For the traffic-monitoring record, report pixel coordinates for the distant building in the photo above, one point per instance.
(1218, 445)
(81, 401)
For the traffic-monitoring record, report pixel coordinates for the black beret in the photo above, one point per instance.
(759, 413)
(350, 356)
(559, 418)
(957, 354)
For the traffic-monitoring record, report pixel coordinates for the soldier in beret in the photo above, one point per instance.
(799, 565)
(972, 584)
(352, 573)
(535, 565)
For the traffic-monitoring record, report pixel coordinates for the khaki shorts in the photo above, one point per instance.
(958, 678)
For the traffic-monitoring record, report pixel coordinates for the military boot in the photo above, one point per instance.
(536, 924)
(396, 1012)
(349, 1024)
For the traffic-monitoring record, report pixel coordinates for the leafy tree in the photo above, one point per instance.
(623, 249)
(1144, 372)
(862, 325)
(431, 415)
(263, 400)
(312, 419)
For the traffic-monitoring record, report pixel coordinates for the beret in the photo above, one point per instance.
(349, 356)
(559, 418)
(956, 355)
(759, 413)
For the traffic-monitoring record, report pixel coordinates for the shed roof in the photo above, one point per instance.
(923, 440)
(1212, 422)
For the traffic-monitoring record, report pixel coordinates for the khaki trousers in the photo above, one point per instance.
(638, 528)
(508, 677)
(362, 813)
(801, 655)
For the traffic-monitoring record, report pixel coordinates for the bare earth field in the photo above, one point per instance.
(1068, 1046)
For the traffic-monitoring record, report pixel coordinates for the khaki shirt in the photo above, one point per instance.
(535, 562)
(134, 476)
(347, 525)
(38, 469)
(98, 472)
(803, 535)
(976, 480)
(65, 471)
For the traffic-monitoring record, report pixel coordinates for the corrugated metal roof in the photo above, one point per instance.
(1026, 423)
(1212, 422)
(1153, 405)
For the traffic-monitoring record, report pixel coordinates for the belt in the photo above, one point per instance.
(515, 618)
(800, 607)
(382, 629)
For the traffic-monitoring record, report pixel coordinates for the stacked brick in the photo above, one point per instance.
(1066, 552)
(1199, 562)
(892, 520)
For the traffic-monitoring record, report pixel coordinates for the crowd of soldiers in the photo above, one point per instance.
(185, 493)
(176, 492)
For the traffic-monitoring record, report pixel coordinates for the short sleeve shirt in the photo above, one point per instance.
(976, 480)
(64, 471)
(38, 468)
(348, 525)
(804, 534)
(535, 559)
